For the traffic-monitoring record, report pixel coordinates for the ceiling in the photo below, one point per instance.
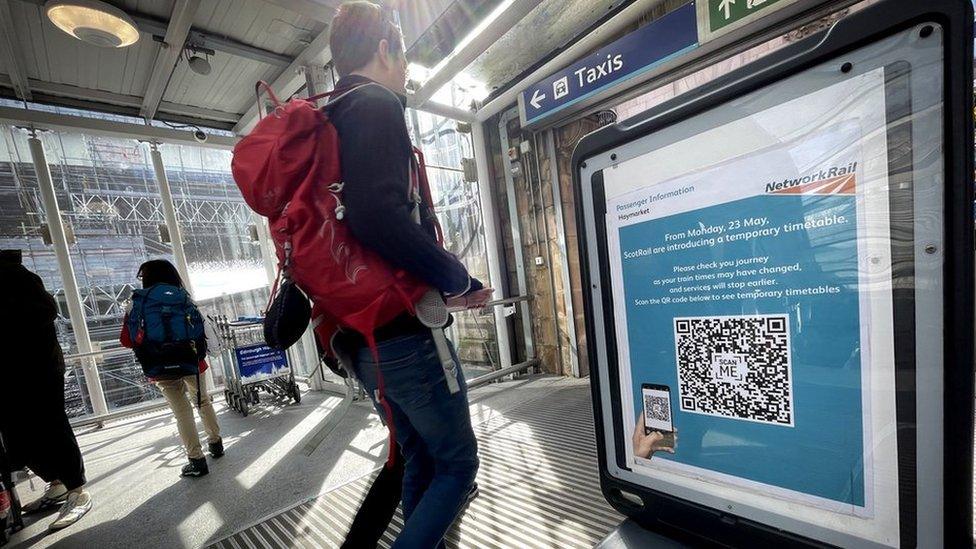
(549, 26)
(250, 40)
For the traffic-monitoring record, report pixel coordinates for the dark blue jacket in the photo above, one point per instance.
(376, 153)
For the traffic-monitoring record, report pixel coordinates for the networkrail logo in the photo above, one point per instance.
(836, 180)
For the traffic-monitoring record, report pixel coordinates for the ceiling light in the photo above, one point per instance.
(199, 65)
(93, 21)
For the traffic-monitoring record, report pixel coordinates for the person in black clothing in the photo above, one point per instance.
(432, 423)
(33, 421)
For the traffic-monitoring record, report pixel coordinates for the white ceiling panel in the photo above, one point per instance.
(158, 9)
(257, 23)
(68, 71)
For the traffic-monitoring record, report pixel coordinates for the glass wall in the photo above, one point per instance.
(23, 226)
(226, 267)
(458, 207)
(112, 211)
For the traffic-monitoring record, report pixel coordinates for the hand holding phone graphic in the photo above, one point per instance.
(655, 431)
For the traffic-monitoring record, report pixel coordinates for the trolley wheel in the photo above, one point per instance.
(255, 396)
(244, 408)
(296, 394)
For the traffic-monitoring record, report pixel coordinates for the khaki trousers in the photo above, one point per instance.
(181, 394)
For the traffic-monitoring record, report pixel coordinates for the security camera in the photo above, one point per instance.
(200, 136)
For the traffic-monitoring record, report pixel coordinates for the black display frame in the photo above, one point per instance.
(696, 522)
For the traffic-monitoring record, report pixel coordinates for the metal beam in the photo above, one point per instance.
(169, 54)
(152, 26)
(515, 222)
(11, 54)
(169, 214)
(493, 246)
(95, 126)
(441, 109)
(291, 79)
(481, 38)
(240, 49)
(111, 98)
(79, 325)
(498, 374)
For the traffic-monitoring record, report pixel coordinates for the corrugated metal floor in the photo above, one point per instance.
(538, 479)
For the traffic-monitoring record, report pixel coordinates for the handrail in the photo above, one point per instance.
(445, 168)
(498, 374)
(127, 411)
(113, 351)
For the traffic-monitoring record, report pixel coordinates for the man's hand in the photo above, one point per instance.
(471, 300)
(646, 445)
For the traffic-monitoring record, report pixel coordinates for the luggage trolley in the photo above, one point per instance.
(251, 366)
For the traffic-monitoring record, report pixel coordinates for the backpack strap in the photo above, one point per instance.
(341, 93)
(142, 308)
(424, 185)
(262, 85)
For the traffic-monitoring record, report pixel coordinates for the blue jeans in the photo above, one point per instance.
(433, 428)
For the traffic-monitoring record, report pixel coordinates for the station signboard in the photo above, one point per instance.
(718, 17)
(635, 54)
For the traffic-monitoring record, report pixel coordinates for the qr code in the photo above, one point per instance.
(735, 367)
(657, 408)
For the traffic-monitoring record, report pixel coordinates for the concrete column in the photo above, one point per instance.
(75, 308)
(492, 244)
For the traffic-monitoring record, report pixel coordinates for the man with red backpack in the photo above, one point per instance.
(432, 423)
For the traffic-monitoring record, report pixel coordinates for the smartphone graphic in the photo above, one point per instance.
(657, 408)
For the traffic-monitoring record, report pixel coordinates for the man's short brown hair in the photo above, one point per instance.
(356, 32)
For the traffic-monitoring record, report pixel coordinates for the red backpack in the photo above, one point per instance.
(288, 170)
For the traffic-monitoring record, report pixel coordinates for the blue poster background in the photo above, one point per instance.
(822, 453)
(260, 360)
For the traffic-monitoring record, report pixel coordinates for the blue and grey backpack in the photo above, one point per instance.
(167, 331)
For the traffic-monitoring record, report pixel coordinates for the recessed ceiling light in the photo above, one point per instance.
(93, 21)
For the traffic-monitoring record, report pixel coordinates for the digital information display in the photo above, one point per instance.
(764, 294)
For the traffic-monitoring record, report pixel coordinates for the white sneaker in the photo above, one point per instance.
(54, 495)
(75, 507)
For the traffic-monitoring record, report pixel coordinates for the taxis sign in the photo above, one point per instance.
(611, 67)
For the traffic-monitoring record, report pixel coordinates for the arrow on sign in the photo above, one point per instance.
(727, 6)
(536, 97)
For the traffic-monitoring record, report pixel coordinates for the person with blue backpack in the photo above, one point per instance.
(167, 333)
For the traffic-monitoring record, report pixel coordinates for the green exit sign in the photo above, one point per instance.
(716, 17)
